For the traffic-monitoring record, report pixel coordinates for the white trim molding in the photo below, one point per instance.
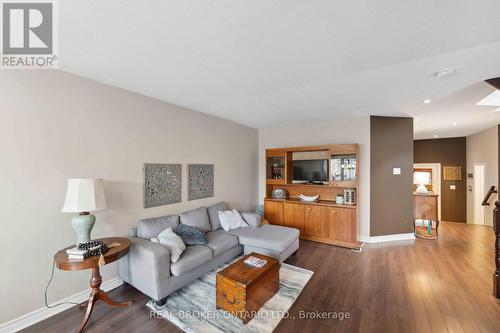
(36, 316)
(386, 238)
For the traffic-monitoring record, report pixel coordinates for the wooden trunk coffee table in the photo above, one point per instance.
(111, 255)
(242, 289)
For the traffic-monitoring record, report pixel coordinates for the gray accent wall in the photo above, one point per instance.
(391, 196)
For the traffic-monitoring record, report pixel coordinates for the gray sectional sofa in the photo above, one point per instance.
(148, 268)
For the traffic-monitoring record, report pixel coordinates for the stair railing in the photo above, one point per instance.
(488, 195)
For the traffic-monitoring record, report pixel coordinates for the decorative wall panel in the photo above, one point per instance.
(200, 181)
(162, 184)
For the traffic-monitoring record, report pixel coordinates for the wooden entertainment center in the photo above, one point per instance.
(324, 220)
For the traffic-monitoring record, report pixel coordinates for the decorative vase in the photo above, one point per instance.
(83, 225)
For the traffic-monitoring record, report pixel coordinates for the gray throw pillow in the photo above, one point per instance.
(191, 235)
(196, 218)
(150, 228)
(253, 219)
(213, 214)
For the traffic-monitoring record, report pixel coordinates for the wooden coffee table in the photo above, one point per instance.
(242, 289)
(111, 255)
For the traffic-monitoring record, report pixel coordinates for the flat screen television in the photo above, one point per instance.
(310, 170)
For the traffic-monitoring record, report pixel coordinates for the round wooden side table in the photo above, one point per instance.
(111, 255)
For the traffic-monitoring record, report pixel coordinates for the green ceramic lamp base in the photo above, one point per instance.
(83, 225)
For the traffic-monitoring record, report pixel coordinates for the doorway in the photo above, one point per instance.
(478, 194)
(435, 170)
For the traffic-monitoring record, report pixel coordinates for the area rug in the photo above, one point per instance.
(192, 308)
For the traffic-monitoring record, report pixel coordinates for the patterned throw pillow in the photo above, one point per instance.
(191, 235)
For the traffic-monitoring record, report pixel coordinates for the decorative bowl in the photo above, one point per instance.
(308, 198)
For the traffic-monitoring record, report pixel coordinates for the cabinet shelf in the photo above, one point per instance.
(276, 168)
(343, 168)
(313, 203)
(308, 185)
(275, 181)
(343, 184)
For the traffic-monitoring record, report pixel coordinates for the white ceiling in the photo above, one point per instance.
(267, 62)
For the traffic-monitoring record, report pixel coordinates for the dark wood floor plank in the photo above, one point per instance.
(471, 272)
(408, 286)
(421, 321)
(441, 294)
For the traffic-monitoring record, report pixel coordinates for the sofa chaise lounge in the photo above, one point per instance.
(148, 268)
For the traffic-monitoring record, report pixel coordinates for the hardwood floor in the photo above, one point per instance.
(408, 286)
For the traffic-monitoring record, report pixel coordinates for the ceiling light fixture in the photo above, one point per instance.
(454, 124)
(444, 73)
(427, 101)
(435, 136)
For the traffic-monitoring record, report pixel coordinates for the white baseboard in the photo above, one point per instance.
(38, 315)
(386, 238)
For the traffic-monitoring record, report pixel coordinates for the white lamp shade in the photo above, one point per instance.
(421, 178)
(84, 195)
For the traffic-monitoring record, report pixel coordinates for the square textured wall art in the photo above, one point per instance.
(162, 184)
(200, 181)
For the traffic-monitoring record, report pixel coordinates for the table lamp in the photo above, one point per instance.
(84, 195)
(421, 179)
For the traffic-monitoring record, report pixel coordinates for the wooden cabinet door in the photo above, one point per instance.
(294, 216)
(273, 212)
(316, 221)
(342, 224)
(425, 207)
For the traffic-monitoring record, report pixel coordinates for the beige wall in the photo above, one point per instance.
(54, 125)
(482, 148)
(335, 131)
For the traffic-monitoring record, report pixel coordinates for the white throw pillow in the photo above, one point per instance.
(171, 241)
(231, 219)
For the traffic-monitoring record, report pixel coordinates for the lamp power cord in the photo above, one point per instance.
(47, 288)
